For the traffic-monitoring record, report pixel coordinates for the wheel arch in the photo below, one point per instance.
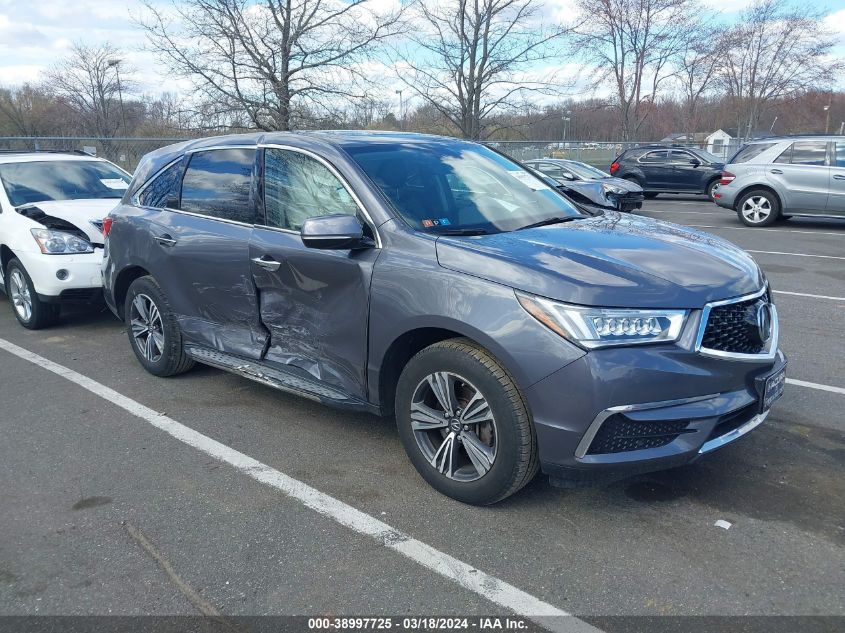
(745, 190)
(6, 255)
(122, 282)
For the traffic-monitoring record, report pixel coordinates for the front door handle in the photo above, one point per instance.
(267, 263)
(165, 240)
(776, 171)
(838, 177)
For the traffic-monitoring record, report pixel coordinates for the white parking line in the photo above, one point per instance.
(749, 228)
(795, 254)
(815, 385)
(687, 212)
(804, 294)
(487, 586)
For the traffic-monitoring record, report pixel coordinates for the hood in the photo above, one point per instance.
(591, 190)
(79, 213)
(613, 260)
(627, 185)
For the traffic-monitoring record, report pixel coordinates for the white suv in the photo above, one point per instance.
(52, 207)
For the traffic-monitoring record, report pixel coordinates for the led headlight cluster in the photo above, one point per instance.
(593, 327)
(612, 189)
(60, 243)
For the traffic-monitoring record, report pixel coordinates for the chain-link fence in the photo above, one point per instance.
(125, 152)
(598, 154)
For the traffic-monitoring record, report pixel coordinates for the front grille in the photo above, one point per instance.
(618, 434)
(732, 327)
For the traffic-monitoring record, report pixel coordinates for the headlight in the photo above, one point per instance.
(613, 189)
(60, 243)
(604, 327)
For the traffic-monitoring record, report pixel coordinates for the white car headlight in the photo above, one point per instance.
(60, 243)
(613, 189)
(603, 327)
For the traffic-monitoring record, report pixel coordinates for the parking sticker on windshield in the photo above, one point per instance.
(115, 183)
(438, 222)
(527, 179)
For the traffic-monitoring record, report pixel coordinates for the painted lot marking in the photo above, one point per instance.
(815, 385)
(748, 228)
(804, 294)
(796, 254)
(686, 212)
(489, 587)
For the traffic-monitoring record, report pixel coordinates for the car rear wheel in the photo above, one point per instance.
(711, 188)
(758, 208)
(464, 424)
(153, 330)
(30, 311)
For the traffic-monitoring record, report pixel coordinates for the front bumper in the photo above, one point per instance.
(83, 279)
(625, 411)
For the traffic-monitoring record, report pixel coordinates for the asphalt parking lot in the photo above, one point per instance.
(107, 509)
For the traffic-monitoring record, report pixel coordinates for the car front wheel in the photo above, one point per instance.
(153, 330)
(464, 424)
(31, 312)
(758, 208)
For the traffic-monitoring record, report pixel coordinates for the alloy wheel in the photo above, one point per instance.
(147, 327)
(756, 209)
(454, 426)
(21, 298)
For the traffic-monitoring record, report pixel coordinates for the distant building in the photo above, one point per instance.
(723, 142)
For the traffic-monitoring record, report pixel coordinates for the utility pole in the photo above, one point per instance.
(401, 112)
(115, 63)
(827, 114)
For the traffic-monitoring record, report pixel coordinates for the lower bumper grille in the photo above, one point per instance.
(619, 434)
(88, 295)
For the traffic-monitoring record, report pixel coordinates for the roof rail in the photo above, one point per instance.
(45, 151)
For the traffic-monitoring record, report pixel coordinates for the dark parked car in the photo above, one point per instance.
(438, 281)
(659, 169)
(585, 183)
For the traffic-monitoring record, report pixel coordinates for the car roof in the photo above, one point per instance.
(796, 137)
(38, 157)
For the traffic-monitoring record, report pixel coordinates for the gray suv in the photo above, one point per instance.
(783, 177)
(442, 283)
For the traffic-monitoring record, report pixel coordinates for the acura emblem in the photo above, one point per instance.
(764, 322)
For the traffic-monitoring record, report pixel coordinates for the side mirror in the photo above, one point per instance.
(336, 232)
(694, 162)
(567, 175)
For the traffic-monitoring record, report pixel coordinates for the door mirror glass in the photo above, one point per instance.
(694, 162)
(336, 232)
(567, 175)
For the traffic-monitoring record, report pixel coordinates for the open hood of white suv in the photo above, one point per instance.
(81, 213)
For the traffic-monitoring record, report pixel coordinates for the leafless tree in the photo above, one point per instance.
(775, 51)
(697, 65)
(472, 59)
(87, 81)
(267, 59)
(634, 44)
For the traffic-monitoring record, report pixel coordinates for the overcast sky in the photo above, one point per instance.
(33, 35)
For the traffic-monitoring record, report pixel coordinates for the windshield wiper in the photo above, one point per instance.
(464, 232)
(547, 222)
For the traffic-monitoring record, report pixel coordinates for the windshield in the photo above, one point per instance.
(587, 172)
(452, 187)
(26, 183)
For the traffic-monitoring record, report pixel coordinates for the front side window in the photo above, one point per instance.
(682, 158)
(217, 183)
(163, 191)
(298, 187)
(809, 152)
(452, 187)
(42, 181)
(840, 154)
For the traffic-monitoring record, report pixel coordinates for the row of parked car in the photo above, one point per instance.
(507, 328)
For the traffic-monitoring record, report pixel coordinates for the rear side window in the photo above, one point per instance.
(217, 183)
(805, 153)
(747, 152)
(163, 191)
(840, 154)
(659, 156)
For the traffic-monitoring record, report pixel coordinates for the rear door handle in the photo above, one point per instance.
(267, 262)
(776, 171)
(165, 240)
(838, 177)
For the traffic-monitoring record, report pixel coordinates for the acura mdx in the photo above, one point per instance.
(438, 281)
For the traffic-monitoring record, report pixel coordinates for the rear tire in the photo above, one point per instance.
(30, 311)
(758, 207)
(711, 189)
(651, 195)
(492, 452)
(153, 330)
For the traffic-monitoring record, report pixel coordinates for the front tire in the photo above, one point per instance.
(464, 424)
(30, 311)
(758, 207)
(153, 330)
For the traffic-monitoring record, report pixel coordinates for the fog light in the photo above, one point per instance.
(62, 274)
